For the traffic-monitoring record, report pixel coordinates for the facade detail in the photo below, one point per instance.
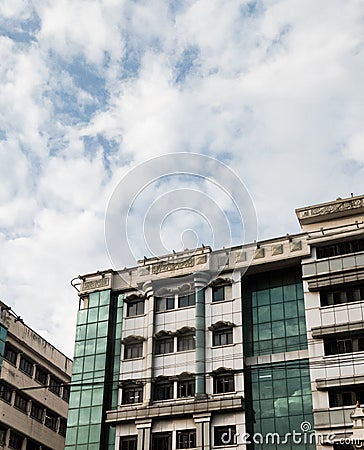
(34, 388)
(249, 348)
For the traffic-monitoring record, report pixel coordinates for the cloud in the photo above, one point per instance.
(91, 88)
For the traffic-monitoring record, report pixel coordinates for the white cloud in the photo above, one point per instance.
(90, 88)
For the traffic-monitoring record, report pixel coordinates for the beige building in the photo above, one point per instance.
(34, 388)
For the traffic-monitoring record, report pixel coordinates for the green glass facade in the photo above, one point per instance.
(278, 395)
(278, 400)
(3, 333)
(274, 313)
(95, 374)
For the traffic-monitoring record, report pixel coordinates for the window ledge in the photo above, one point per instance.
(222, 346)
(222, 301)
(139, 358)
(357, 302)
(138, 315)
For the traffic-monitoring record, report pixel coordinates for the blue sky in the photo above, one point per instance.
(92, 88)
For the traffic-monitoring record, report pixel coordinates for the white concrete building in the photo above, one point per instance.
(226, 349)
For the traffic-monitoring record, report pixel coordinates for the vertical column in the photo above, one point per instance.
(148, 289)
(200, 279)
(144, 433)
(203, 431)
(24, 444)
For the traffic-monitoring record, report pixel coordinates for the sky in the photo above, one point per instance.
(100, 98)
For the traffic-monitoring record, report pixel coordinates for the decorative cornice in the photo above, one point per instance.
(325, 211)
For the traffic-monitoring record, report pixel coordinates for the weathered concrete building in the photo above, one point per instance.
(34, 388)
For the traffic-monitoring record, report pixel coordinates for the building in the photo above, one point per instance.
(258, 347)
(34, 388)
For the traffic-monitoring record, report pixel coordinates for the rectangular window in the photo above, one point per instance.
(26, 365)
(186, 342)
(32, 445)
(165, 345)
(218, 293)
(132, 394)
(340, 248)
(162, 441)
(186, 388)
(223, 337)
(186, 439)
(55, 385)
(349, 293)
(224, 383)
(51, 420)
(135, 308)
(36, 411)
(62, 427)
(164, 303)
(163, 390)
(15, 440)
(66, 393)
(21, 402)
(337, 346)
(225, 435)
(10, 354)
(133, 350)
(186, 300)
(128, 442)
(5, 392)
(41, 375)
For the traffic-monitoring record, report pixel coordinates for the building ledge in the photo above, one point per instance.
(319, 332)
(188, 407)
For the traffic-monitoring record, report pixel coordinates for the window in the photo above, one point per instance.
(186, 387)
(15, 440)
(163, 390)
(55, 385)
(340, 248)
(51, 420)
(344, 344)
(353, 293)
(10, 354)
(32, 445)
(21, 402)
(66, 393)
(41, 375)
(186, 300)
(128, 442)
(62, 427)
(36, 411)
(161, 441)
(224, 382)
(132, 393)
(133, 350)
(225, 435)
(5, 392)
(26, 365)
(164, 345)
(347, 396)
(164, 303)
(218, 293)
(135, 308)
(2, 434)
(222, 336)
(186, 439)
(186, 342)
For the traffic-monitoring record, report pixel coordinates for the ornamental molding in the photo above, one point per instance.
(339, 207)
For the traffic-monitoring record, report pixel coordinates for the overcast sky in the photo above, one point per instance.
(91, 89)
